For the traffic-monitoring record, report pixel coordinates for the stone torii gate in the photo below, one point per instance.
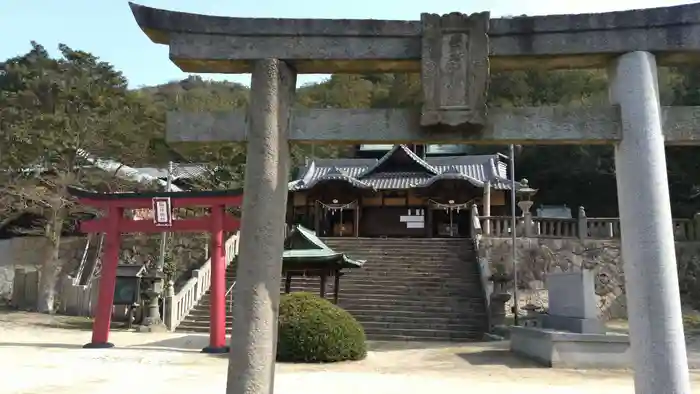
(454, 54)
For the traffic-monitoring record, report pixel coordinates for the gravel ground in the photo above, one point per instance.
(36, 356)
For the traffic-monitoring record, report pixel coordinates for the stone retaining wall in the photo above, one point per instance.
(538, 256)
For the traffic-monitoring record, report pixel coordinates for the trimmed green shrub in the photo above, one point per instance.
(314, 330)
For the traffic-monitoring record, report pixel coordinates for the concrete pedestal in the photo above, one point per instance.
(557, 349)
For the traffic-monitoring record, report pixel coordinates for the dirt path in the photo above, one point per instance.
(41, 358)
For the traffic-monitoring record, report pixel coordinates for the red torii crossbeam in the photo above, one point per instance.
(114, 224)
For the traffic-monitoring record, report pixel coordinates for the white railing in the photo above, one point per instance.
(178, 306)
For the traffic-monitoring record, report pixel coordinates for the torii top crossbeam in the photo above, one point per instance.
(323, 46)
(453, 95)
(107, 201)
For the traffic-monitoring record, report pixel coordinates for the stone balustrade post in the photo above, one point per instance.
(582, 223)
(197, 285)
(528, 225)
(696, 227)
(474, 217)
(169, 307)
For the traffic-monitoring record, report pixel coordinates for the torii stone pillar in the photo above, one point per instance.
(648, 249)
(257, 291)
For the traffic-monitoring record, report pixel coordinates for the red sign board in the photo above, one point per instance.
(162, 211)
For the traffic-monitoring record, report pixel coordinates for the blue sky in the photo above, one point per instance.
(108, 30)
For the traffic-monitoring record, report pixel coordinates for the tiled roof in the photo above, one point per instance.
(476, 169)
(180, 171)
(335, 174)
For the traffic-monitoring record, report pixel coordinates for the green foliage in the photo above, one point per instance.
(312, 329)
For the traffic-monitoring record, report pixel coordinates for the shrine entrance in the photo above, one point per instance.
(451, 219)
(337, 219)
(113, 224)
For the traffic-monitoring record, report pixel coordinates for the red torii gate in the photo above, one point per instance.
(114, 224)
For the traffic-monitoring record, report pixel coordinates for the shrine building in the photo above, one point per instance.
(407, 191)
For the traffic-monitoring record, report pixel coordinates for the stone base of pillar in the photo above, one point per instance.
(98, 345)
(216, 350)
(152, 327)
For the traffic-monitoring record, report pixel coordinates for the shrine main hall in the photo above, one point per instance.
(400, 191)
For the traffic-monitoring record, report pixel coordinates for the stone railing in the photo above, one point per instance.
(178, 306)
(582, 227)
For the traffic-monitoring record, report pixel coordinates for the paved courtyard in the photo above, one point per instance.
(36, 357)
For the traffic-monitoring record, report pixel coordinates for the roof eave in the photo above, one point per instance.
(464, 178)
(155, 22)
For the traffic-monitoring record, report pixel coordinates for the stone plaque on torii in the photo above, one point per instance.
(454, 54)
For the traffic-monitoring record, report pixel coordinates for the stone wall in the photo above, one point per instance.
(538, 256)
(29, 253)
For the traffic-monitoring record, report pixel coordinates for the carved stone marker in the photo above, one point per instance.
(572, 303)
(455, 69)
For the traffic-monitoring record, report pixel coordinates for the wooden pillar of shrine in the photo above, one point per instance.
(108, 280)
(217, 298)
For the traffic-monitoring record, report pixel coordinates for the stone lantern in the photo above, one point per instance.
(154, 286)
(525, 192)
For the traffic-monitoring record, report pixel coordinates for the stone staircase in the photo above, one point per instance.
(409, 289)
(198, 318)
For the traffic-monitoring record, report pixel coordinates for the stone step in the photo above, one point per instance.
(398, 316)
(405, 303)
(358, 291)
(404, 254)
(418, 274)
(436, 240)
(406, 262)
(397, 245)
(363, 313)
(423, 325)
(400, 249)
(409, 264)
(409, 289)
(417, 316)
(376, 326)
(349, 290)
(417, 307)
(410, 281)
(423, 334)
(417, 310)
(385, 334)
(469, 338)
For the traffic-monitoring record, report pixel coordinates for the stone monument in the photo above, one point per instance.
(572, 303)
(570, 334)
(454, 54)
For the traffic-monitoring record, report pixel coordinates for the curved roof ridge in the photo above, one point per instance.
(336, 174)
(453, 173)
(336, 171)
(428, 167)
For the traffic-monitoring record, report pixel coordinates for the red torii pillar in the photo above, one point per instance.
(114, 224)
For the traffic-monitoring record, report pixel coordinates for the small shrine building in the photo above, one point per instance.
(398, 195)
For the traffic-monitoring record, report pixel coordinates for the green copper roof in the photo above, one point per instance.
(304, 250)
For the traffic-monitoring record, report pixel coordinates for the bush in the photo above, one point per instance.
(312, 329)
